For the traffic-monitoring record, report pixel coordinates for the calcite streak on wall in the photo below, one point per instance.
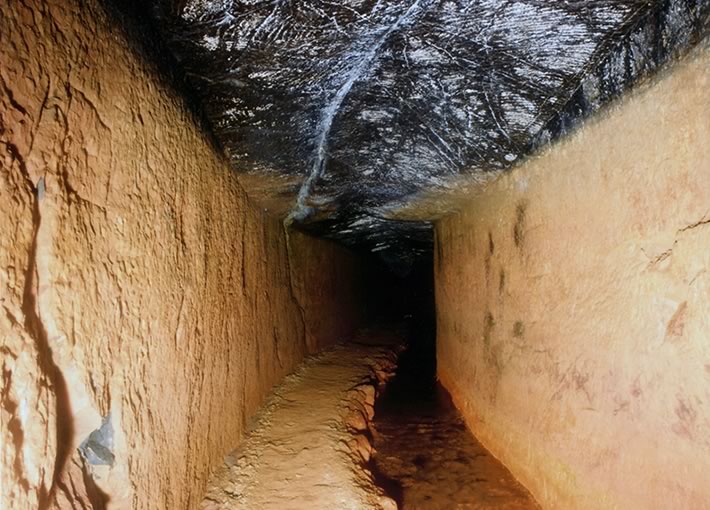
(585, 370)
(136, 280)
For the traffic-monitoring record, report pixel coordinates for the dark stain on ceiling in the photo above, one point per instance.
(352, 109)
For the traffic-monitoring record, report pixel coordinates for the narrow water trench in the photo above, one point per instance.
(426, 458)
(324, 439)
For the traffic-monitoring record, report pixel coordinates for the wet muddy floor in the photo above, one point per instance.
(426, 457)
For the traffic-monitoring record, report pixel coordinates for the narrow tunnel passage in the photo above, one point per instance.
(365, 424)
(425, 456)
(552, 157)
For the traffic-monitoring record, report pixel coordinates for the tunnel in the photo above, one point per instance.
(355, 254)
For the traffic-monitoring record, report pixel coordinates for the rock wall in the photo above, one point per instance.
(334, 293)
(146, 307)
(572, 302)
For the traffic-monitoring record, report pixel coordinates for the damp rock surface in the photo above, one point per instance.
(308, 447)
(426, 457)
(432, 461)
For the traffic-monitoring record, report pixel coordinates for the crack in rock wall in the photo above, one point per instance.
(572, 306)
(146, 307)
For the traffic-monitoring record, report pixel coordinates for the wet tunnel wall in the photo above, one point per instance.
(572, 306)
(147, 307)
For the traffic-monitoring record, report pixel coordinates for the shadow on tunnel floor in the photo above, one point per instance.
(425, 456)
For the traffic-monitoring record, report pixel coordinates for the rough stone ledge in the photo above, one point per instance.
(310, 445)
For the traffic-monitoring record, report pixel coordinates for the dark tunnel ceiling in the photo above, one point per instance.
(362, 105)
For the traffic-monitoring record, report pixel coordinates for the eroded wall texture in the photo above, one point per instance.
(139, 289)
(572, 301)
